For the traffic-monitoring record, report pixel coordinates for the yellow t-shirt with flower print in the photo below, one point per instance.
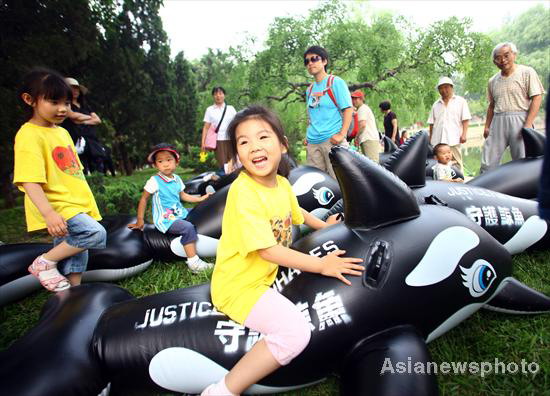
(47, 156)
(255, 217)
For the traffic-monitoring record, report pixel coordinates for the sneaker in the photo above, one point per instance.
(199, 265)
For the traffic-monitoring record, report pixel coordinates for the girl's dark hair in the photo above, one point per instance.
(216, 89)
(264, 114)
(46, 83)
(385, 105)
(315, 49)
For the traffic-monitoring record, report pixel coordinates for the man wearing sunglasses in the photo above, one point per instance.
(329, 110)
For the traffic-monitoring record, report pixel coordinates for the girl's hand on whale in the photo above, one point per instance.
(336, 266)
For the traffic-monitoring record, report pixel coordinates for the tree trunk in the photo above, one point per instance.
(127, 167)
(7, 191)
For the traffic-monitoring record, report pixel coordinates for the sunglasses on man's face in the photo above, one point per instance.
(314, 58)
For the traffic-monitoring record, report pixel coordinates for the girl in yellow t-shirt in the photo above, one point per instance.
(256, 233)
(57, 196)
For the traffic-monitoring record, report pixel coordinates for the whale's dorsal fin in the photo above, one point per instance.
(373, 197)
(534, 142)
(408, 162)
(389, 145)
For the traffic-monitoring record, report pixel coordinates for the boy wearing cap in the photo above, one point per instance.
(449, 119)
(367, 137)
(167, 190)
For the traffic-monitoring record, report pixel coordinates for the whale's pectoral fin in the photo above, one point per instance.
(517, 298)
(379, 365)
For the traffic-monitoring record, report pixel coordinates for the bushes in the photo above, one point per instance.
(192, 161)
(120, 197)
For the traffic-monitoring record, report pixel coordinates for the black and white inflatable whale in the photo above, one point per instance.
(511, 220)
(427, 268)
(521, 177)
(129, 252)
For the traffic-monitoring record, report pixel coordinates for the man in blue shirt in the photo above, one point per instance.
(329, 110)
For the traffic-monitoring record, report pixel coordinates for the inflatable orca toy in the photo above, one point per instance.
(208, 182)
(316, 191)
(513, 221)
(66, 363)
(413, 290)
(126, 254)
(521, 177)
(197, 185)
(129, 252)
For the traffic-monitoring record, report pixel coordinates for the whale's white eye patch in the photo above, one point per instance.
(442, 256)
(305, 182)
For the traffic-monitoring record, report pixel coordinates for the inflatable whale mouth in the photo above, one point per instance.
(427, 268)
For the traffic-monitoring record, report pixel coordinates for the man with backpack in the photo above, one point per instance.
(329, 110)
(367, 136)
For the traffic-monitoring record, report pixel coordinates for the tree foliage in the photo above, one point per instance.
(384, 54)
(119, 50)
(529, 31)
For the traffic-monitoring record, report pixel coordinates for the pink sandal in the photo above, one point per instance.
(48, 275)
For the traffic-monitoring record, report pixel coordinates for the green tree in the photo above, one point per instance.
(53, 33)
(119, 49)
(186, 101)
(529, 31)
(383, 54)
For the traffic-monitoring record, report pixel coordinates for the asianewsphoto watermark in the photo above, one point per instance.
(457, 368)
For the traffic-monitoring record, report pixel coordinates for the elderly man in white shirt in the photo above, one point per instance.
(449, 119)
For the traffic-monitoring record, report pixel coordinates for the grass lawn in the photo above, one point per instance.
(484, 337)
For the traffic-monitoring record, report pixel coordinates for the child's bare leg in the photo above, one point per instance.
(190, 249)
(255, 365)
(62, 251)
(75, 278)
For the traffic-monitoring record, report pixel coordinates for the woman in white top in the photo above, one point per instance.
(212, 118)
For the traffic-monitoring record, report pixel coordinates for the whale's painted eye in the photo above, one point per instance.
(479, 277)
(323, 195)
(483, 277)
(327, 195)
